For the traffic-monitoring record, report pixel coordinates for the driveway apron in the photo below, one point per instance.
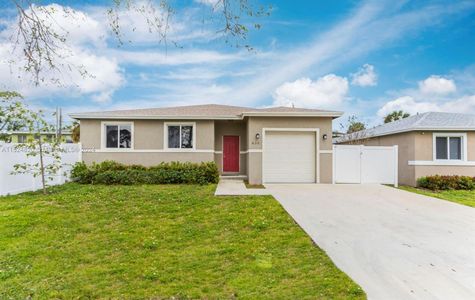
(394, 244)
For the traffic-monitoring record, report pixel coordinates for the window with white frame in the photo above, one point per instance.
(180, 136)
(118, 136)
(449, 146)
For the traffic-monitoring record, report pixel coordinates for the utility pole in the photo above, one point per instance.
(59, 123)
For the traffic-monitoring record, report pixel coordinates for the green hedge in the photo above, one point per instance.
(111, 172)
(438, 182)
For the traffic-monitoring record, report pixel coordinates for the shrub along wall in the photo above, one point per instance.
(111, 172)
(438, 182)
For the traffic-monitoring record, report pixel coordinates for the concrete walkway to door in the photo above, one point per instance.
(393, 243)
(236, 187)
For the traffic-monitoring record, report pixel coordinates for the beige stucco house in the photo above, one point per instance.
(265, 145)
(432, 143)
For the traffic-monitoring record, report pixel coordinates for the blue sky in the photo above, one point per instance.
(363, 57)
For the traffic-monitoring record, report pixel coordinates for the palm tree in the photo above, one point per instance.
(395, 116)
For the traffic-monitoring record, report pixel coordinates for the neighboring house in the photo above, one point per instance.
(432, 143)
(277, 144)
(24, 136)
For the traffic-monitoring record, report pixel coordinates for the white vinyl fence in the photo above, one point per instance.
(365, 164)
(14, 184)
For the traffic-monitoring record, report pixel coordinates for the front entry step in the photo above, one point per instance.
(233, 177)
(236, 187)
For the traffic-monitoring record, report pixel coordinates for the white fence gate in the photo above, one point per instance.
(365, 164)
(14, 184)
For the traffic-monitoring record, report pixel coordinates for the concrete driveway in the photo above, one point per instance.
(394, 244)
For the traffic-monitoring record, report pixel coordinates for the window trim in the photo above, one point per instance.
(116, 123)
(462, 135)
(23, 137)
(165, 136)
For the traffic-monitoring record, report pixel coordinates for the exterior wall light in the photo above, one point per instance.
(258, 136)
(325, 137)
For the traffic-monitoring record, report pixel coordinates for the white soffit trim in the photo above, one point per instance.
(440, 163)
(151, 151)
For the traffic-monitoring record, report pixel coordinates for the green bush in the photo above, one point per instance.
(438, 182)
(111, 172)
(82, 173)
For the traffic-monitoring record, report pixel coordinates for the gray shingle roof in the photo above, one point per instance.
(426, 121)
(206, 111)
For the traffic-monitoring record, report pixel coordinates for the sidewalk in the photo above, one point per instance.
(235, 187)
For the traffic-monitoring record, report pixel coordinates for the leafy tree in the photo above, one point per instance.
(76, 132)
(36, 147)
(43, 46)
(354, 125)
(14, 115)
(395, 116)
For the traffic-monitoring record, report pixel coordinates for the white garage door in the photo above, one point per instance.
(289, 157)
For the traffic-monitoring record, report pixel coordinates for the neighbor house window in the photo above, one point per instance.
(449, 146)
(118, 136)
(179, 136)
(22, 139)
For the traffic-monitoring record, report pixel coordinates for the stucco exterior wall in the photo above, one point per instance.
(256, 124)
(424, 142)
(422, 171)
(90, 134)
(424, 152)
(148, 136)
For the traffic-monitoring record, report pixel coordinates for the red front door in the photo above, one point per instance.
(231, 153)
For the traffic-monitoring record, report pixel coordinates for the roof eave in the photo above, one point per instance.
(109, 117)
(223, 117)
(334, 114)
(409, 130)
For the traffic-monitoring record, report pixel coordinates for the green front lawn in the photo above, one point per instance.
(459, 196)
(159, 242)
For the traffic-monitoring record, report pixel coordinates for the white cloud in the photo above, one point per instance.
(325, 92)
(464, 104)
(158, 57)
(76, 26)
(85, 37)
(407, 104)
(436, 93)
(103, 97)
(343, 43)
(366, 76)
(211, 3)
(437, 85)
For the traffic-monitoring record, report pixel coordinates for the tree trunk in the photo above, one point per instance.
(42, 169)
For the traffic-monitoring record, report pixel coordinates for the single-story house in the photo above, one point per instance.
(23, 136)
(432, 143)
(279, 144)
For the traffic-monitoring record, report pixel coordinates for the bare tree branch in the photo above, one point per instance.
(44, 42)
